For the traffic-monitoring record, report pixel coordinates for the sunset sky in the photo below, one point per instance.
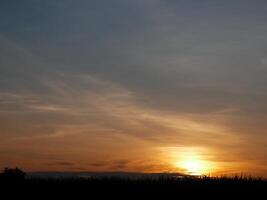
(134, 85)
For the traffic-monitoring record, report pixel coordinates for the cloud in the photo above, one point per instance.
(120, 164)
(79, 104)
(149, 72)
(99, 164)
(62, 164)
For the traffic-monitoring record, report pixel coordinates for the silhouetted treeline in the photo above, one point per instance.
(163, 187)
(12, 174)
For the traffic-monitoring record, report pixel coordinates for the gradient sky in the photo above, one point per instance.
(133, 85)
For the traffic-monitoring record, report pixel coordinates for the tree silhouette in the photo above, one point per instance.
(13, 174)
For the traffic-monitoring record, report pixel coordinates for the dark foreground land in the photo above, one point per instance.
(165, 187)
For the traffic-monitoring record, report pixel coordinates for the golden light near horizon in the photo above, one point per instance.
(190, 160)
(192, 164)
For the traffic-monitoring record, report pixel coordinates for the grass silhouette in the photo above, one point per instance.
(110, 187)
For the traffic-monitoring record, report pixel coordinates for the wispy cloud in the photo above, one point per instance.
(85, 80)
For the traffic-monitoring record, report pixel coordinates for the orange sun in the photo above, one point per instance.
(192, 161)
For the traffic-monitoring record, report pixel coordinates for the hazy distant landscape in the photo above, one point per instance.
(122, 175)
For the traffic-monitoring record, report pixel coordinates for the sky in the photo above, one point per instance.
(134, 85)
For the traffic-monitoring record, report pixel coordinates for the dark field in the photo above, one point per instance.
(127, 188)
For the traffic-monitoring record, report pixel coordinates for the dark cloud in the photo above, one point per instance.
(120, 164)
(62, 164)
(99, 164)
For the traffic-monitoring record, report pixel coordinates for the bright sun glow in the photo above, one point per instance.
(192, 161)
(193, 166)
